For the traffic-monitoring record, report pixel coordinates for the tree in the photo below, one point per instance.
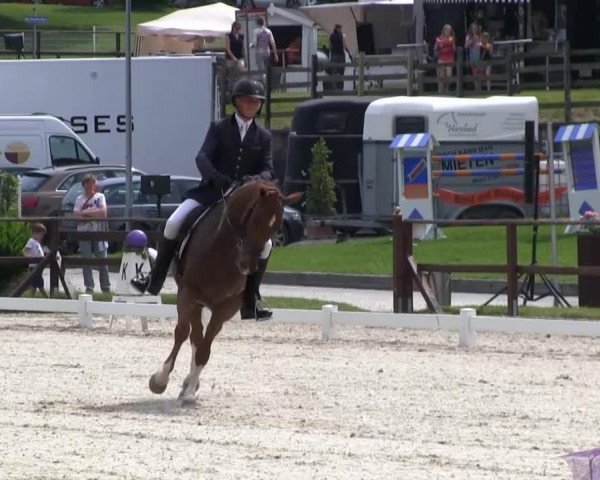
(321, 186)
(13, 235)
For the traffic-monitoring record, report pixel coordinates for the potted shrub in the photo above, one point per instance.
(320, 196)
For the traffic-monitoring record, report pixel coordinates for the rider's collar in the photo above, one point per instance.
(240, 121)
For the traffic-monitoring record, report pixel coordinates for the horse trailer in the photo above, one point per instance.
(360, 130)
(340, 121)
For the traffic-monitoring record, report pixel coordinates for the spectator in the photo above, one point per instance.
(485, 55)
(92, 205)
(473, 50)
(337, 54)
(294, 52)
(234, 48)
(539, 25)
(445, 52)
(265, 45)
(33, 249)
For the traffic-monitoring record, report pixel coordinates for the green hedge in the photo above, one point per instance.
(13, 235)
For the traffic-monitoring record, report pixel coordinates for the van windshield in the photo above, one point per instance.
(68, 151)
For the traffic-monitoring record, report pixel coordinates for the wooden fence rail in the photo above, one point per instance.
(54, 239)
(406, 270)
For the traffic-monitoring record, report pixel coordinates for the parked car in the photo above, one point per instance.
(292, 229)
(43, 189)
(144, 206)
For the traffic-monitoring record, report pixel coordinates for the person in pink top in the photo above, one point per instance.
(445, 53)
(472, 50)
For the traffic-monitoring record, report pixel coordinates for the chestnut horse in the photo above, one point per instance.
(223, 249)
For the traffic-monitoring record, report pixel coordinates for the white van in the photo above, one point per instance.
(461, 126)
(36, 141)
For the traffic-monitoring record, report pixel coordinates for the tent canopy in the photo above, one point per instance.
(208, 21)
(388, 15)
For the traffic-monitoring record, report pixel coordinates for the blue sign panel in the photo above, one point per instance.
(36, 20)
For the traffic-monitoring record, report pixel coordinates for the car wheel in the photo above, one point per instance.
(282, 236)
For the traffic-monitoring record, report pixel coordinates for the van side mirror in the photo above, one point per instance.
(97, 160)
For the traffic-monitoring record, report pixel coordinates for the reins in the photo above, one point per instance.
(240, 238)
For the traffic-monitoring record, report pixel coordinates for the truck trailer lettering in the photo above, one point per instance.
(99, 124)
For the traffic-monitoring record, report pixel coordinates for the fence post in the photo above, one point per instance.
(567, 82)
(268, 99)
(509, 73)
(328, 328)
(222, 90)
(512, 293)
(83, 313)
(459, 72)
(53, 237)
(402, 249)
(410, 72)
(314, 67)
(118, 44)
(38, 43)
(361, 74)
(466, 335)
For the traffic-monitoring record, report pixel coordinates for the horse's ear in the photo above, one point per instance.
(293, 198)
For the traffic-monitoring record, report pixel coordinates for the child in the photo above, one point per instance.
(33, 249)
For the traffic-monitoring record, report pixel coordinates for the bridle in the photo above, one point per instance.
(241, 238)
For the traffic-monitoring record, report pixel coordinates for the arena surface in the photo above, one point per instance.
(276, 402)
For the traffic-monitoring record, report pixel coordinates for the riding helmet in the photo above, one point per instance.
(248, 87)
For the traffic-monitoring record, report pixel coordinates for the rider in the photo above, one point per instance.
(234, 149)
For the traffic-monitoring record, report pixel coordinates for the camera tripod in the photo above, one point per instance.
(527, 290)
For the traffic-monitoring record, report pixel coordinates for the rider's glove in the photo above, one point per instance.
(221, 181)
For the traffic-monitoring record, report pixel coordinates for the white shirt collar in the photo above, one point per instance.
(245, 123)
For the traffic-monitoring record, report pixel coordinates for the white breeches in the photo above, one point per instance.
(266, 251)
(177, 218)
(174, 222)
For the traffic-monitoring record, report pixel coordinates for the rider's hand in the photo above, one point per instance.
(221, 181)
(250, 178)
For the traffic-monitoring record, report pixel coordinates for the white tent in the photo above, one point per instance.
(392, 21)
(183, 31)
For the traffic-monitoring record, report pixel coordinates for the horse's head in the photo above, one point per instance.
(255, 212)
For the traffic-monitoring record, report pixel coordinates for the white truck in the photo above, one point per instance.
(36, 141)
(172, 105)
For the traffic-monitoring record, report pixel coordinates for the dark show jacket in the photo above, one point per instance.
(224, 152)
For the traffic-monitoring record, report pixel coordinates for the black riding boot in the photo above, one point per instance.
(154, 282)
(249, 309)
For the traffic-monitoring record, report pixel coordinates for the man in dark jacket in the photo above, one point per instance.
(234, 149)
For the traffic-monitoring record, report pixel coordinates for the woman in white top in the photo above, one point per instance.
(92, 205)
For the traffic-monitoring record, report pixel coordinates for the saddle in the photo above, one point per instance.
(191, 223)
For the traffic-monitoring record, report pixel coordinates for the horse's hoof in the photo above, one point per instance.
(156, 387)
(187, 400)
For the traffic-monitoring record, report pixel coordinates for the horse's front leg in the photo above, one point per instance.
(201, 345)
(185, 311)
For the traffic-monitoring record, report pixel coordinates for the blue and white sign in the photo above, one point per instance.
(413, 191)
(36, 20)
(581, 151)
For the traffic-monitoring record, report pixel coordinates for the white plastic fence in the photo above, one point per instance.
(466, 323)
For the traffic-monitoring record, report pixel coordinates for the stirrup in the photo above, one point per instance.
(263, 314)
(140, 283)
